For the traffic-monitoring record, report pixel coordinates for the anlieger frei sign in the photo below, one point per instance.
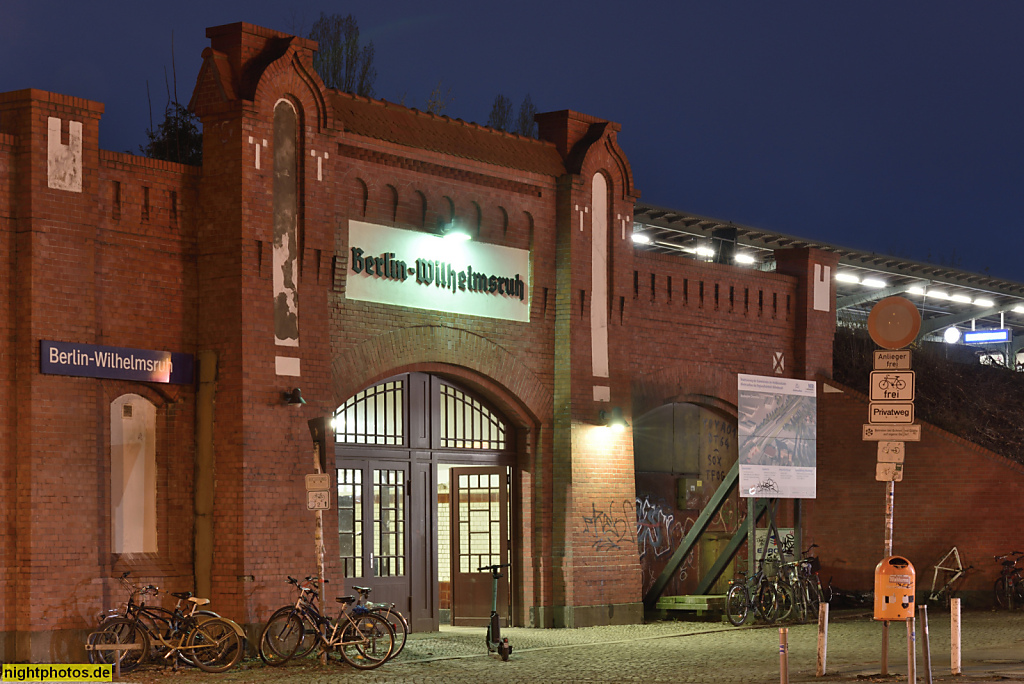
(424, 271)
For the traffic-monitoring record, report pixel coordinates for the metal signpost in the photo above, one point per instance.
(318, 498)
(893, 323)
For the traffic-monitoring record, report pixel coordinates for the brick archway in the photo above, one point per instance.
(485, 366)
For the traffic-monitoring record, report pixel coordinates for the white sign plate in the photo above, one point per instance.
(892, 359)
(318, 483)
(889, 472)
(892, 386)
(425, 271)
(889, 412)
(891, 433)
(318, 501)
(891, 452)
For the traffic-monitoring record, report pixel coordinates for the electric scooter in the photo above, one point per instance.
(495, 642)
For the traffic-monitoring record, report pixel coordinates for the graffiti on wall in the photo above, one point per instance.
(610, 526)
(655, 526)
(661, 528)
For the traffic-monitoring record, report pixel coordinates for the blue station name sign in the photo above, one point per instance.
(116, 363)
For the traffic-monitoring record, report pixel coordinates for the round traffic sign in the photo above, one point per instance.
(894, 322)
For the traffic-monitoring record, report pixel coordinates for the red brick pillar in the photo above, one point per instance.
(595, 565)
(53, 155)
(814, 308)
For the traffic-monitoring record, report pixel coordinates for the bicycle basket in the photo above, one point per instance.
(814, 563)
(771, 568)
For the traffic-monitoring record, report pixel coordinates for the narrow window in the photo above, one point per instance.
(145, 203)
(132, 475)
(117, 201)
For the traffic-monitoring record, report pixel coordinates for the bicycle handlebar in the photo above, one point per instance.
(494, 567)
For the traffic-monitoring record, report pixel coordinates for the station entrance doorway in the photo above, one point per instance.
(424, 472)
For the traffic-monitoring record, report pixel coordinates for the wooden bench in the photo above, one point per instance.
(693, 602)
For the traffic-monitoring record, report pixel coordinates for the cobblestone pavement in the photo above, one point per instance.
(993, 650)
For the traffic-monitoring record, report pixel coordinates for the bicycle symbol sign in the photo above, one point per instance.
(892, 385)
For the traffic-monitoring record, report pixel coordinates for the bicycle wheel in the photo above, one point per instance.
(367, 642)
(737, 604)
(812, 598)
(214, 645)
(766, 602)
(787, 602)
(999, 590)
(1018, 593)
(281, 637)
(120, 631)
(399, 625)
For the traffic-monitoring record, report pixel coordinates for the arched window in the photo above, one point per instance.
(132, 475)
(468, 424)
(373, 416)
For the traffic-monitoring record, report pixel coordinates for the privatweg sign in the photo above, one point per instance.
(891, 412)
(116, 363)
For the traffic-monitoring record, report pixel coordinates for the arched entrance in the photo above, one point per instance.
(682, 453)
(424, 473)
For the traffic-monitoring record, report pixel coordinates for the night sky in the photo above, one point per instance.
(895, 127)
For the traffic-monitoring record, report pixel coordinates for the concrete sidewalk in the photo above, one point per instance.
(993, 650)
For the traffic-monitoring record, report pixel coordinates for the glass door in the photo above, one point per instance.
(479, 529)
(373, 503)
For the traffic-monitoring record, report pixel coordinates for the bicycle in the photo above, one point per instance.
(956, 571)
(1009, 586)
(802, 575)
(389, 612)
(888, 381)
(213, 644)
(154, 618)
(756, 593)
(362, 638)
(280, 644)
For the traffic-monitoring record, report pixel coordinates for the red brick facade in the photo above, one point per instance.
(153, 255)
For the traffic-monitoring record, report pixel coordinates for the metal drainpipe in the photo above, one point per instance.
(203, 487)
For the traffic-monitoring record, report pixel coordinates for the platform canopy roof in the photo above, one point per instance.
(945, 296)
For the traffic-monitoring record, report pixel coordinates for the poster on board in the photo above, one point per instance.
(777, 437)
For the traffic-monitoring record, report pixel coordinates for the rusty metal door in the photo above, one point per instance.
(479, 528)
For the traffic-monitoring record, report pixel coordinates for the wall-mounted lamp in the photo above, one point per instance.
(613, 419)
(456, 232)
(294, 398)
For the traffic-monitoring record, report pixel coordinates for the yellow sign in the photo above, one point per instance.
(57, 673)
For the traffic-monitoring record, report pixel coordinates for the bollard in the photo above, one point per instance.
(926, 644)
(954, 636)
(885, 648)
(784, 655)
(911, 652)
(822, 638)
